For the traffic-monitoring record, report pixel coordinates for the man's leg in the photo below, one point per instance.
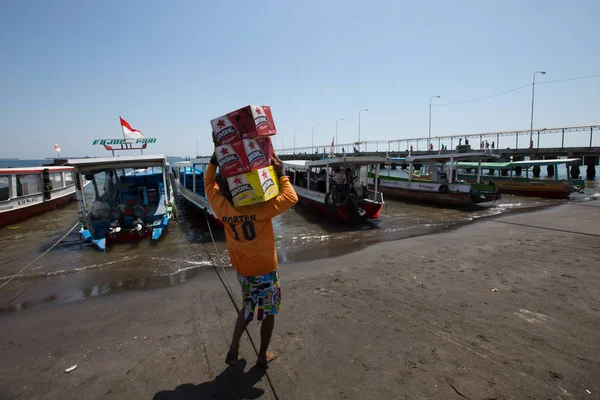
(266, 330)
(240, 324)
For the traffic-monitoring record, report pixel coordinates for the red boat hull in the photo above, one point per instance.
(340, 212)
(21, 214)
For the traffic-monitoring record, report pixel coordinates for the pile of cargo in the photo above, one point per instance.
(244, 149)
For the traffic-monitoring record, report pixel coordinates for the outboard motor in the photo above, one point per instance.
(138, 225)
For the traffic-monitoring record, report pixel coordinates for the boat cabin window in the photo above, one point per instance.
(28, 184)
(4, 188)
(69, 179)
(56, 179)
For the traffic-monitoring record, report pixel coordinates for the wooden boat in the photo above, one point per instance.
(526, 186)
(25, 192)
(188, 182)
(133, 203)
(352, 201)
(438, 184)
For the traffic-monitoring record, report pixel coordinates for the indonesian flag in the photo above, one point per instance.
(57, 148)
(129, 132)
(331, 152)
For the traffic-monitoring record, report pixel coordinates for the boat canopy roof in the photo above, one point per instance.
(25, 170)
(345, 161)
(135, 162)
(453, 156)
(512, 164)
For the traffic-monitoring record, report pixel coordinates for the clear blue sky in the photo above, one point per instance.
(69, 68)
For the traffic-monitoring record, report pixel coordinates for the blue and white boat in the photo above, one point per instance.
(132, 199)
(188, 182)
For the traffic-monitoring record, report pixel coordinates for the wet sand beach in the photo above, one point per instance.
(410, 319)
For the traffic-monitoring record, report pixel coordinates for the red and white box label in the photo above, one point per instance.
(232, 159)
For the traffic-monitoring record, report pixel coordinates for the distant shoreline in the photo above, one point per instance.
(10, 159)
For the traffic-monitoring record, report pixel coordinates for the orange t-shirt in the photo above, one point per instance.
(248, 229)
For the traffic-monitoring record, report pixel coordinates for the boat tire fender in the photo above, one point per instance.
(443, 189)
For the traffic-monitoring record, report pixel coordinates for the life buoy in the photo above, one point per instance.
(443, 189)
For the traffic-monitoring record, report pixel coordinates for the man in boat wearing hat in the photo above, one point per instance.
(251, 245)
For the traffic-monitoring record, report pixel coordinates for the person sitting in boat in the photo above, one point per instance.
(340, 186)
(322, 181)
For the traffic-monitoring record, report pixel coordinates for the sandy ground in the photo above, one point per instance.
(411, 319)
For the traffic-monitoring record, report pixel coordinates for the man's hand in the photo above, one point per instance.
(277, 165)
(213, 159)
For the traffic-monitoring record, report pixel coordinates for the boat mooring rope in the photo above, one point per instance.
(232, 298)
(40, 256)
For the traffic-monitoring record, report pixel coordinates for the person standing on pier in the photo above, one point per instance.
(253, 254)
(492, 145)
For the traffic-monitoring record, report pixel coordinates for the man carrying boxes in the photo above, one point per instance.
(255, 190)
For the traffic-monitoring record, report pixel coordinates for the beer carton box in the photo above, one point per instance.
(254, 186)
(266, 145)
(257, 159)
(232, 159)
(248, 122)
(224, 131)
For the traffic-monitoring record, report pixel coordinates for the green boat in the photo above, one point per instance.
(510, 183)
(433, 179)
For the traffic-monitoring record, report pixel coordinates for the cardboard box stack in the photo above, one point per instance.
(244, 149)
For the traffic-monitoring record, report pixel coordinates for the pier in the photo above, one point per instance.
(577, 141)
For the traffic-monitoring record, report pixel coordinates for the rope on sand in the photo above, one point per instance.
(232, 297)
(40, 256)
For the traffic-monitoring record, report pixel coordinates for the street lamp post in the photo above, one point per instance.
(362, 109)
(431, 98)
(532, 103)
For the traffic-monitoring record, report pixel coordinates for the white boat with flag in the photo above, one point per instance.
(132, 199)
(337, 187)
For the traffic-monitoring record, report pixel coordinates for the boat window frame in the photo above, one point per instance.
(41, 184)
(52, 181)
(65, 180)
(8, 187)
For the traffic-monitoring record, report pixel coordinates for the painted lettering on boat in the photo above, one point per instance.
(122, 141)
(28, 201)
(7, 208)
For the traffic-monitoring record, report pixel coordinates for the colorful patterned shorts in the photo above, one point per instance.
(262, 291)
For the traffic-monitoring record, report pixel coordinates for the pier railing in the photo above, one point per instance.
(564, 137)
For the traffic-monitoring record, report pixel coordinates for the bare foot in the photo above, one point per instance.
(263, 361)
(231, 357)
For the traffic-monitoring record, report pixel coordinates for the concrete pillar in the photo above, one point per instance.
(591, 163)
(536, 171)
(550, 169)
(394, 166)
(575, 172)
(590, 172)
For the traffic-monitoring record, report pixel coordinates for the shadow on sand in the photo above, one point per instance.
(232, 383)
